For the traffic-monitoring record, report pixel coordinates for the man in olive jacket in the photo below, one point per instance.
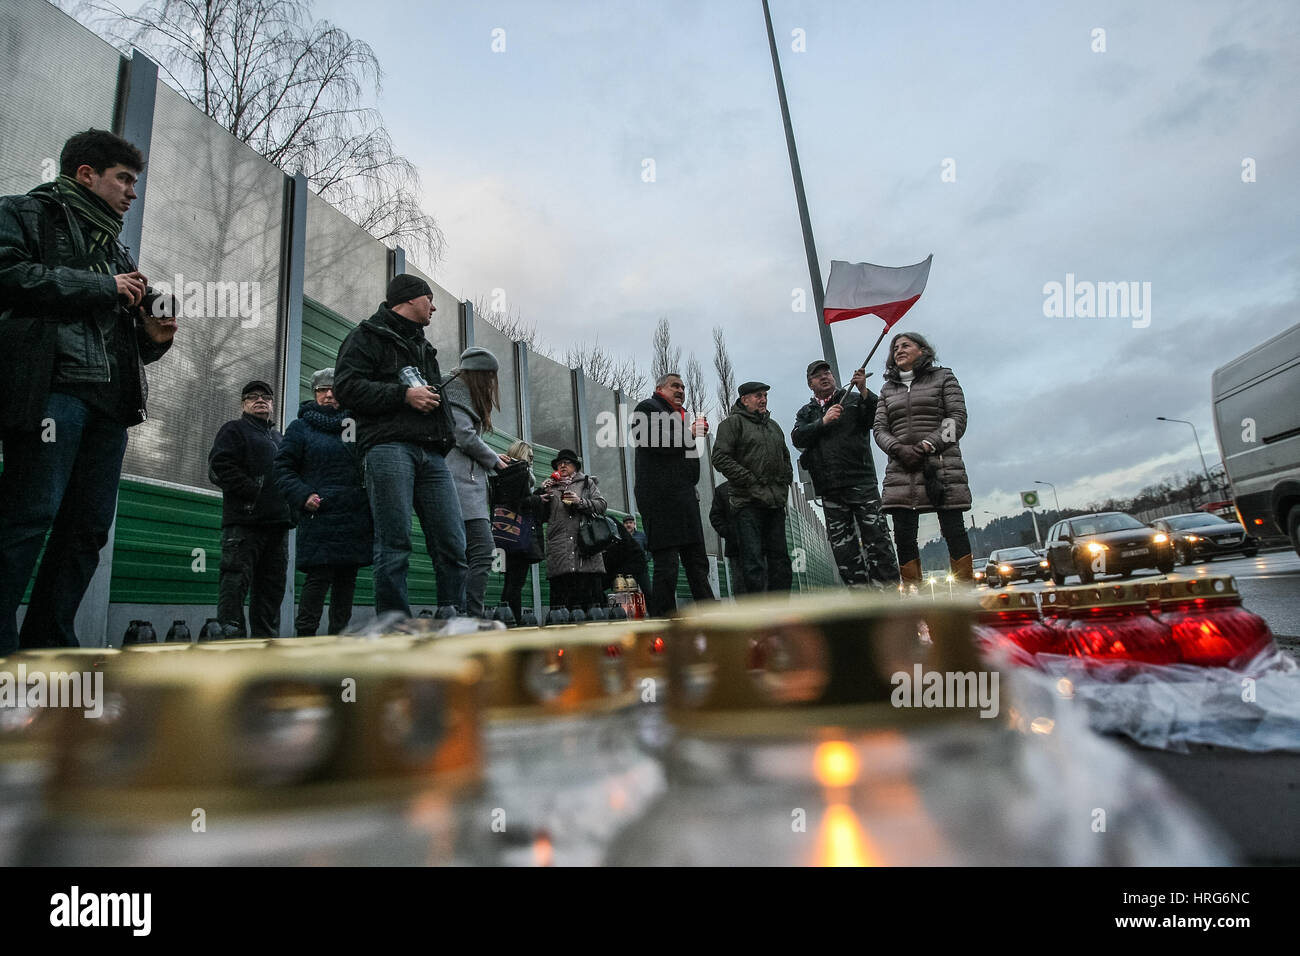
(834, 433)
(752, 454)
(73, 345)
(387, 375)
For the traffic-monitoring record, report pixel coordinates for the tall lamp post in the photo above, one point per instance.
(1053, 487)
(1209, 482)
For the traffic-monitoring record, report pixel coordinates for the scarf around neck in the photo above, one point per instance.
(99, 222)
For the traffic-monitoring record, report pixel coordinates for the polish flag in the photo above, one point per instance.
(859, 288)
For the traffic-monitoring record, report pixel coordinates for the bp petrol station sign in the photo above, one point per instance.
(1029, 499)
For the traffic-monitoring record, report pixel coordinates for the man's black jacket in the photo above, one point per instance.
(366, 382)
(241, 464)
(53, 309)
(838, 455)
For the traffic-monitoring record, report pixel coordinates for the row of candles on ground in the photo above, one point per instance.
(1198, 621)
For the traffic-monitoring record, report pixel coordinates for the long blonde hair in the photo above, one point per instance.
(521, 451)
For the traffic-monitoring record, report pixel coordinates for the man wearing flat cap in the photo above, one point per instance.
(255, 519)
(752, 454)
(387, 375)
(834, 432)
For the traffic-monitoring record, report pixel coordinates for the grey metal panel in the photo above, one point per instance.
(213, 225)
(347, 268)
(444, 331)
(488, 337)
(551, 401)
(47, 58)
(605, 453)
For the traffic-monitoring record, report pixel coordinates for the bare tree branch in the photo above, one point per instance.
(726, 374)
(663, 357)
(290, 87)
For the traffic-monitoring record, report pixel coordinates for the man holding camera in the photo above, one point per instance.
(387, 375)
(75, 342)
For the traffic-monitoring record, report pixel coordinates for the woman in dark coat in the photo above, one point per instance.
(319, 475)
(575, 577)
(529, 506)
(920, 418)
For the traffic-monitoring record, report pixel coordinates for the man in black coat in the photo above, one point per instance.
(667, 471)
(387, 375)
(834, 433)
(74, 341)
(255, 518)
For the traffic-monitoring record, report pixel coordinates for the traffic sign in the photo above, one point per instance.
(1029, 499)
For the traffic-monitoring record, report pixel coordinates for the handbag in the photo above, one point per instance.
(512, 532)
(596, 533)
(509, 485)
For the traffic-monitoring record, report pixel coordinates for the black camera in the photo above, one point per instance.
(161, 305)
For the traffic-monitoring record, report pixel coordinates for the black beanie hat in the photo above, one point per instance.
(404, 288)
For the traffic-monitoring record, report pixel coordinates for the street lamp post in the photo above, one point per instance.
(1053, 487)
(1209, 482)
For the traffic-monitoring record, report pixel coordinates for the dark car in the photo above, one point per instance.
(1107, 543)
(1202, 536)
(1013, 564)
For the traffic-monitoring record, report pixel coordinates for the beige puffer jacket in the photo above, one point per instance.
(933, 410)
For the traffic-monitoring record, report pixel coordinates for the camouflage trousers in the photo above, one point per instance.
(860, 540)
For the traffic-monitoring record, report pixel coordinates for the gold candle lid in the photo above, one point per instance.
(1185, 589)
(268, 730)
(1084, 596)
(776, 666)
(550, 671)
(1008, 601)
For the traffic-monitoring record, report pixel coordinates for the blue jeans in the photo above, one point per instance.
(64, 475)
(401, 476)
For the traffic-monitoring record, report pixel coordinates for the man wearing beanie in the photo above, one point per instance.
(387, 375)
(72, 381)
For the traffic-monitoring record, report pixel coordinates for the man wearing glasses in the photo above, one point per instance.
(255, 517)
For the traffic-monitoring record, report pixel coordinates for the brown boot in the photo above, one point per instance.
(910, 572)
(962, 570)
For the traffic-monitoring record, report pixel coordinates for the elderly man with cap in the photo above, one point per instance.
(387, 375)
(834, 432)
(255, 519)
(752, 454)
(472, 391)
(319, 474)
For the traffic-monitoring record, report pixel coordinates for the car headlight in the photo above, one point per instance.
(1191, 537)
(1004, 568)
(1095, 547)
(1160, 538)
(1042, 563)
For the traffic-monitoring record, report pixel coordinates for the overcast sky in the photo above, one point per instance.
(1122, 165)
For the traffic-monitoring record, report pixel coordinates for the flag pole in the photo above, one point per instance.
(814, 270)
(874, 347)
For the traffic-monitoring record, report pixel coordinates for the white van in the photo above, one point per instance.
(1257, 420)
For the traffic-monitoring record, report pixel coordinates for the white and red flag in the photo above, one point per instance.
(860, 288)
